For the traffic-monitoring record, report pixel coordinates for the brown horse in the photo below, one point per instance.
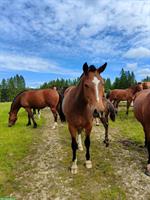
(34, 99)
(104, 116)
(146, 85)
(80, 104)
(118, 95)
(142, 114)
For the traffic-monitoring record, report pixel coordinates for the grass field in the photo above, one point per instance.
(117, 173)
(15, 144)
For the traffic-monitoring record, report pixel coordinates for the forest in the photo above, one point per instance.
(9, 88)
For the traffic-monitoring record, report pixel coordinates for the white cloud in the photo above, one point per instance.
(70, 23)
(33, 64)
(140, 52)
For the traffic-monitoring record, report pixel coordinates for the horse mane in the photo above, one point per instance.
(14, 100)
(18, 95)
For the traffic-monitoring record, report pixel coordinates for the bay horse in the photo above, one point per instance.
(142, 113)
(118, 95)
(146, 85)
(80, 104)
(104, 117)
(34, 99)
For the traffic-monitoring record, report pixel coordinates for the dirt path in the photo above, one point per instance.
(117, 171)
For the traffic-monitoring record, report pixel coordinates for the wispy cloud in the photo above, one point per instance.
(72, 32)
(140, 52)
(33, 64)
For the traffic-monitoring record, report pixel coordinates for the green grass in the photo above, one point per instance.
(100, 182)
(128, 126)
(15, 144)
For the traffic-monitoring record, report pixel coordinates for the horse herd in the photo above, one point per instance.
(80, 104)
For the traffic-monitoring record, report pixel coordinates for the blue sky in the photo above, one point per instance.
(49, 39)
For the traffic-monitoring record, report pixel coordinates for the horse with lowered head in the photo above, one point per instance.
(34, 99)
(80, 104)
(142, 113)
(118, 95)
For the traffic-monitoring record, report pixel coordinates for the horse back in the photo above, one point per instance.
(39, 98)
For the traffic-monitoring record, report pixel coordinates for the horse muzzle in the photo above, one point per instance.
(96, 113)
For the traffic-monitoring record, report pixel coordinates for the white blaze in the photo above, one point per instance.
(96, 82)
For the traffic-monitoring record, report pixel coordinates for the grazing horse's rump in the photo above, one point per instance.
(118, 95)
(80, 104)
(33, 99)
(142, 114)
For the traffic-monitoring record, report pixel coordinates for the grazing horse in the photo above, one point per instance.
(118, 95)
(34, 99)
(146, 85)
(142, 113)
(80, 104)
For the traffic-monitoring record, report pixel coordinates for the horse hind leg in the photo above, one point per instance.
(55, 117)
(104, 121)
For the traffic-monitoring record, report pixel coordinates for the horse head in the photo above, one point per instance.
(93, 87)
(12, 118)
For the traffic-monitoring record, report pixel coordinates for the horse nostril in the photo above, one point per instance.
(95, 113)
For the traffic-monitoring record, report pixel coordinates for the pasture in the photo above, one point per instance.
(36, 161)
(15, 143)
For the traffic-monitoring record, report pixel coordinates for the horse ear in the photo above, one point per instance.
(85, 68)
(102, 68)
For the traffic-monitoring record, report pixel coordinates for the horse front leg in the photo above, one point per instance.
(30, 114)
(74, 145)
(88, 162)
(54, 111)
(104, 121)
(29, 120)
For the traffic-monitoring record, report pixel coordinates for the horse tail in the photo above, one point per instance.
(59, 109)
(112, 112)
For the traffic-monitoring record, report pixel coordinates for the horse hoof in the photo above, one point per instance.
(28, 124)
(88, 164)
(35, 126)
(74, 169)
(107, 144)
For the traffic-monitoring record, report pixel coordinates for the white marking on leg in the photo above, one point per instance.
(96, 82)
(79, 141)
(74, 167)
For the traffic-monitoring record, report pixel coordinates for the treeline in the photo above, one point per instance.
(9, 88)
(60, 83)
(125, 80)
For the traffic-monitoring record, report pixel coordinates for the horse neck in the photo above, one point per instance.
(15, 106)
(133, 90)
